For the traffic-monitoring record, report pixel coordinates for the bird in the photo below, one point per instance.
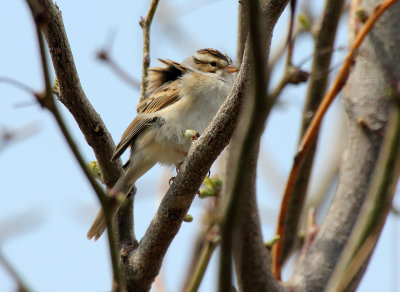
(180, 96)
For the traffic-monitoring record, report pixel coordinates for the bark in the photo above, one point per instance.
(367, 103)
(251, 258)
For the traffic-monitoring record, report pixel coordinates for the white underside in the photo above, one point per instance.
(195, 110)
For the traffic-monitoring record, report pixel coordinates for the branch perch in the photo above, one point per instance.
(145, 261)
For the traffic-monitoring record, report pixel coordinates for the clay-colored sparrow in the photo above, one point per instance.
(180, 97)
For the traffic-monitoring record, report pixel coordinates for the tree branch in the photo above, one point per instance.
(145, 261)
(251, 257)
(210, 242)
(105, 56)
(376, 207)
(145, 23)
(368, 102)
(74, 98)
(309, 137)
(22, 286)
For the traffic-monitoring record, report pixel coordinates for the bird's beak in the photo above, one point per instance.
(231, 69)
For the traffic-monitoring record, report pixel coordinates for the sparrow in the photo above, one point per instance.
(180, 96)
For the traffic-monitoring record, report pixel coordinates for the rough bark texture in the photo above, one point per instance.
(251, 258)
(74, 98)
(367, 103)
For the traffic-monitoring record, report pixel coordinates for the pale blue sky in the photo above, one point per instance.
(40, 178)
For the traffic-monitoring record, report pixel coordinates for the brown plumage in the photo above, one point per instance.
(159, 76)
(181, 96)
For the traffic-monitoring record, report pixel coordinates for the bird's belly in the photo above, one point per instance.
(170, 142)
(162, 144)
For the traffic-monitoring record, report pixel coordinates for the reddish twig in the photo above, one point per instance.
(313, 128)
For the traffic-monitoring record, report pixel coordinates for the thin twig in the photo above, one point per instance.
(8, 136)
(209, 232)
(341, 78)
(212, 241)
(22, 287)
(309, 137)
(106, 57)
(145, 23)
(291, 74)
(17, 84)
(290, 39)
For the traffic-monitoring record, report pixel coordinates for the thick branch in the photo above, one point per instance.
(74, 98)
(367, 102)
(252, 260)
(376, 208)
(145, 261)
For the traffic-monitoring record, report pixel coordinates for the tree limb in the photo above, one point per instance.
(74, 98)
(309, 137)
(251, 257)
(368, 101)
(145, 261)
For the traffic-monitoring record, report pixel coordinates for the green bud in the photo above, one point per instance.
(95, 169)
(361, 14)
(270, 243)
(56, 86)
(304, 21)
(212, 187)
(188, 218)
(190, 134)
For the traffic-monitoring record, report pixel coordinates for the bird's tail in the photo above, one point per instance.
(124, 185)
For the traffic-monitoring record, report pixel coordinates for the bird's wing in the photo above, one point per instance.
(133, 129)
(158, 76)
(161, 98)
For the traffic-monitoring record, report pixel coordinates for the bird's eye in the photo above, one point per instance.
(213, 64)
